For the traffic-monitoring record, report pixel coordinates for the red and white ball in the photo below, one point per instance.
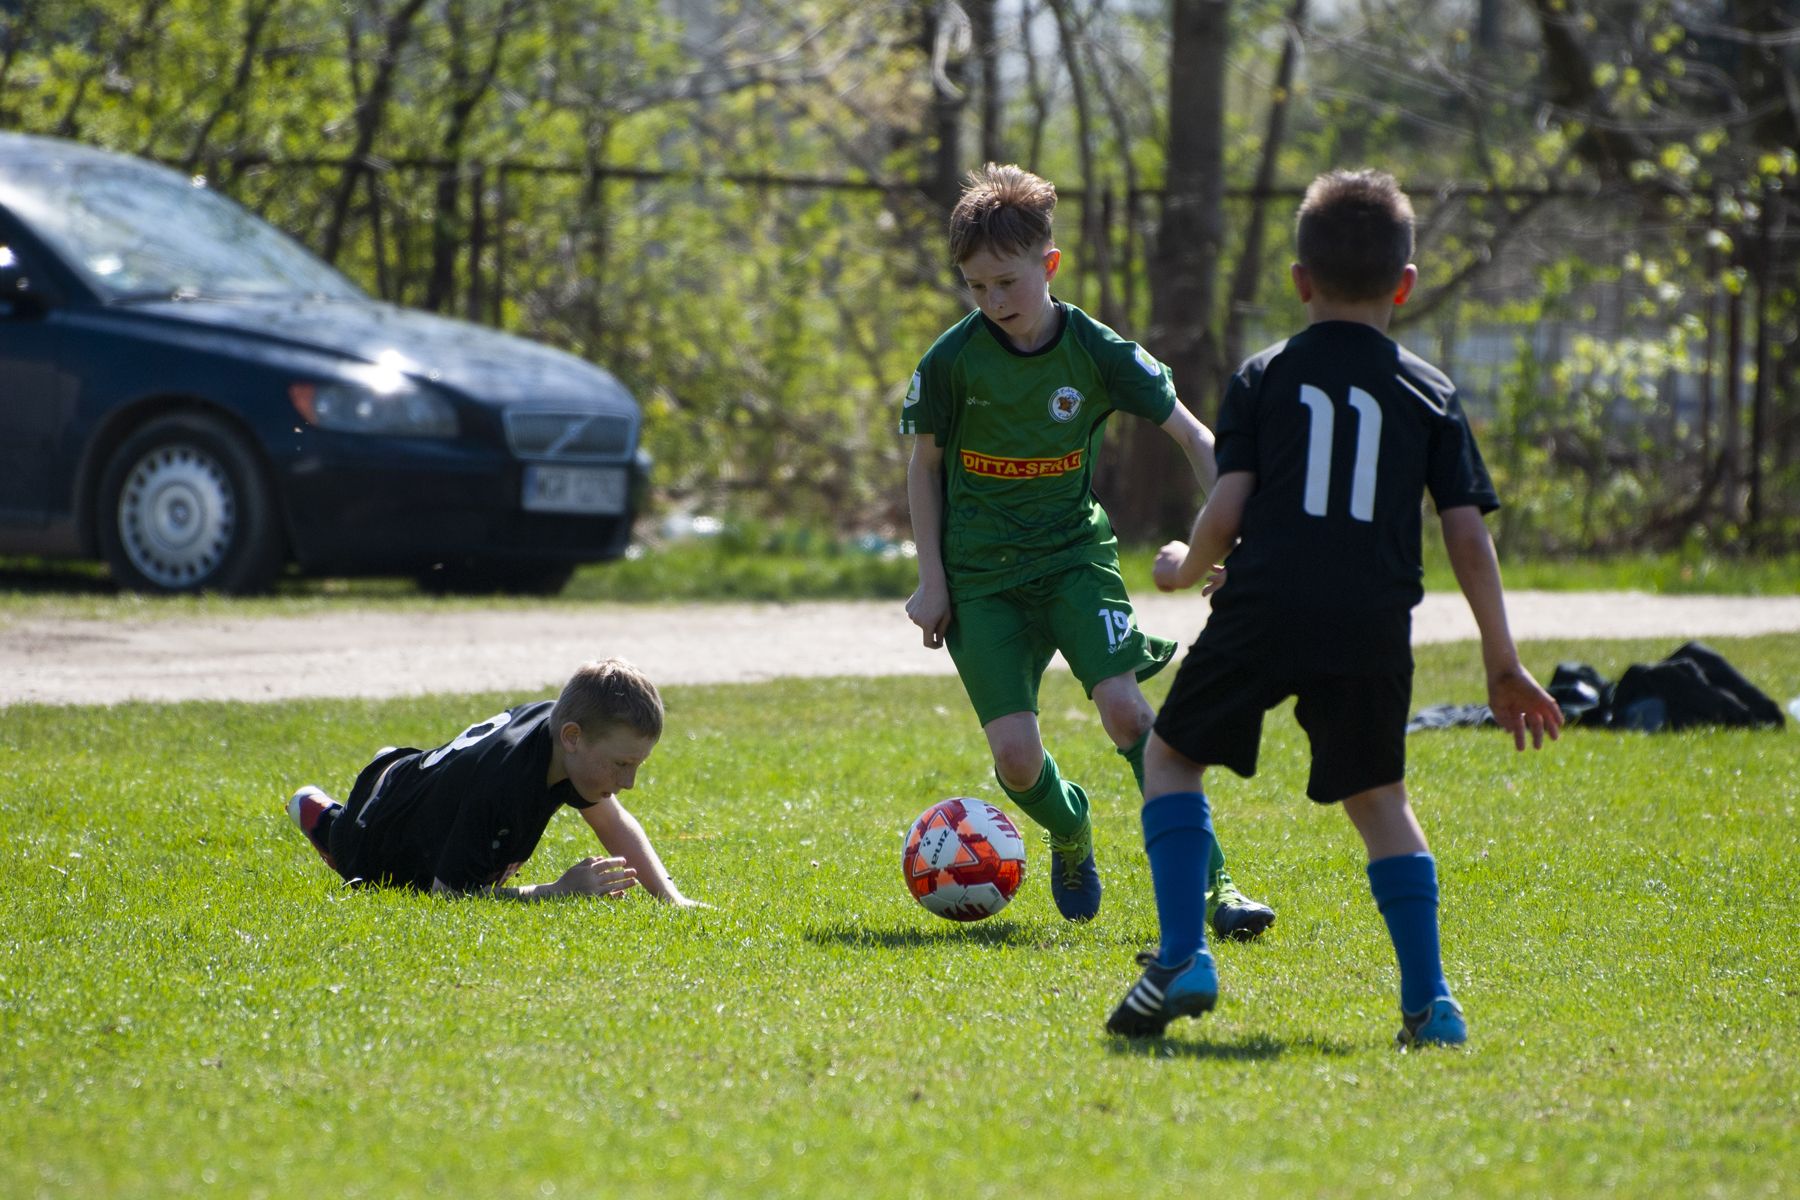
(963, 859)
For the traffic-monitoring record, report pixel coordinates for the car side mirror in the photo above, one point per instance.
(18, 299)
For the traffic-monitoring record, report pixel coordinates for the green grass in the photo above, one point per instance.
(189, 1006)
(792, 566)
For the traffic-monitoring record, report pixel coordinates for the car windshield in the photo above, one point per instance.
(138, 231)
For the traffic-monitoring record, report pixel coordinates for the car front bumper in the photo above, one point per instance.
(401, 506)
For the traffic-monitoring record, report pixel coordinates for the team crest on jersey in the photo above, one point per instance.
(912, 393)
(1147, 360)
(1064, 404)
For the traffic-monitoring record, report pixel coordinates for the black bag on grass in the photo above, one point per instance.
(1692, 687)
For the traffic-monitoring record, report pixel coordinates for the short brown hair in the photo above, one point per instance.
(606, 693)
(1354, 234)
(1005, 210)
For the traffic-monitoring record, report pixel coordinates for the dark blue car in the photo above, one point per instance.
(191, 396)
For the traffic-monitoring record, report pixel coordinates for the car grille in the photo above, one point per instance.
(569, 436)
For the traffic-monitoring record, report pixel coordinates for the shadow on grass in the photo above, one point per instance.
(987, 933)
(1255, 1046)
(952, 933)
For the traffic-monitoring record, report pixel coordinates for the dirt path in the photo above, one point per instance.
(80, 661)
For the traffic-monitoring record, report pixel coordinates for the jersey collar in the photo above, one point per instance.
(999, 334)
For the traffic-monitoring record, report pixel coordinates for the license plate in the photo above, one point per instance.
(575, 489)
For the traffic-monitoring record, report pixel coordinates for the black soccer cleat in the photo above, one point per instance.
(1161, 994)
(1233, 915)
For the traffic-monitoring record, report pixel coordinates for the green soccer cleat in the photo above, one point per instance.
(1231, 914)
(1441, 1024)
(1074, 880)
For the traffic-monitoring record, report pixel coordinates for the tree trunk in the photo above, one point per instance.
(1095, 263)
(369, 117)
(1034, 85)
(1569, 82)
(256, 19)
(469, 89)
(945, 30)
(14, 35)
(987, 53)
(1487, 26)
(1154, 491)
(1731, 416)
(1247, 279)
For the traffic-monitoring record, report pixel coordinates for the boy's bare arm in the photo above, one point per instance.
(589, 877)
(929, 606)
(1196, 441)
(1519, 705)
(1183, 564)
(621, 834)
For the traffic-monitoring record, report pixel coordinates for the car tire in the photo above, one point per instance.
(184, 507)
(524, 578)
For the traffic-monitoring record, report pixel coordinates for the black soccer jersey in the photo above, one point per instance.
(469, 812)
(1346, 431)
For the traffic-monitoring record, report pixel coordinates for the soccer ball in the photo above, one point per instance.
(963, 859)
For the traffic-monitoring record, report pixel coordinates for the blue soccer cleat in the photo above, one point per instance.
(1187, 989)
(1441, 1024)
(1074, 880)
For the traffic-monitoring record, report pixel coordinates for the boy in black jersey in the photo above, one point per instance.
(1326, 444)
(463, 818)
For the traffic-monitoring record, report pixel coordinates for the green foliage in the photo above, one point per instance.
(190, 1005)
(648, 216)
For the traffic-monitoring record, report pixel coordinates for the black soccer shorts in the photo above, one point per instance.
(1356, 724)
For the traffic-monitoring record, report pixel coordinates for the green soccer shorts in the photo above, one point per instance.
(1001, 643)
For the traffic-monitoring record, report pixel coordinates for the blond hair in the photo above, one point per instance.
(1005, 210)
(606, 693)
(1354, 234)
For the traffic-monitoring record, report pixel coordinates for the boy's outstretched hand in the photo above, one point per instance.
(1165, 572)
(597, 877)
(1520, 706)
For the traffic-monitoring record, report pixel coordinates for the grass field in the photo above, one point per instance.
(188, 1006)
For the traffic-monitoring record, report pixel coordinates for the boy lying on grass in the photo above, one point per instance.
(463, 818)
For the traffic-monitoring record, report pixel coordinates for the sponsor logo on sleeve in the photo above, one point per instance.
(1147, 360)
(912, 393)
(1064, 404)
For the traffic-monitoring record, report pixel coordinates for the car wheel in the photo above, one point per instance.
(526, 578)
(183, 507)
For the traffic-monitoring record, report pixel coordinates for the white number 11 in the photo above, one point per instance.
(1318, 451)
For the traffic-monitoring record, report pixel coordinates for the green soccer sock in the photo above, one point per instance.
(1053, 802)
(1216, 868)
(1134, 754)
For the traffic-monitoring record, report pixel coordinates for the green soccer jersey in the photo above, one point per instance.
(1019, 433)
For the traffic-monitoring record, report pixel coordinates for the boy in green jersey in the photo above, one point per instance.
(1016, 559)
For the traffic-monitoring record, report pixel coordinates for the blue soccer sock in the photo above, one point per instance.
(1406, 891)
(1178, 837)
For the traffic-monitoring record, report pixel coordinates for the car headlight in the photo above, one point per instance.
(395, 406)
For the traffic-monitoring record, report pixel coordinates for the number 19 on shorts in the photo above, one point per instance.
(1118, 626)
